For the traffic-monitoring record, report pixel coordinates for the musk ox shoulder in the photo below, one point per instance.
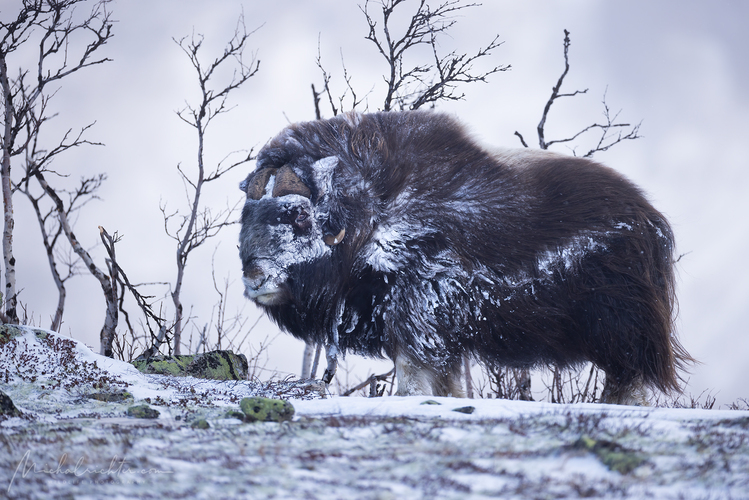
(394, 234)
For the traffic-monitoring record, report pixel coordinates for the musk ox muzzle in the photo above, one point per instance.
(395, 234)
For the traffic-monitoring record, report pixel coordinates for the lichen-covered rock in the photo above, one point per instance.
(611, 454)
(266, 410)
(142, 411)
(219, 365)
(465, 409)
(7, 408)
(114, 396)
(215, 365)
(201, 423)
(8, 332)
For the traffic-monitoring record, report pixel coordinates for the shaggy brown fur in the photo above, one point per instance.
(519, 258)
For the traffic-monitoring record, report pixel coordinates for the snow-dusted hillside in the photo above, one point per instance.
(74, 440)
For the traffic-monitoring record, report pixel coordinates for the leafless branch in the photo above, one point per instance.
(202, 224)
(106, 282)
(375, 390)
(415, 86)
(611, 131)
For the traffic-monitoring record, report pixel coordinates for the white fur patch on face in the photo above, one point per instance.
(283, 247)
(323, 171)
(263, 295)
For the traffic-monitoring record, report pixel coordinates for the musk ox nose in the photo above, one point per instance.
(254, 278)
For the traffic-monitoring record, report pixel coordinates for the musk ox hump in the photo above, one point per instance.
(288, 182)
(255, 188)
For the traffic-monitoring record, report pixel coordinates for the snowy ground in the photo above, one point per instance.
(71, 444)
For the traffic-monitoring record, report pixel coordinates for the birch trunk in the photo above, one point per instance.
(309, 351)
(110, 291)
(9, 260)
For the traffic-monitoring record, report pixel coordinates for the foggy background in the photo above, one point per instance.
(680, 67)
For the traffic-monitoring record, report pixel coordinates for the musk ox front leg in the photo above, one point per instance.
(415, 379)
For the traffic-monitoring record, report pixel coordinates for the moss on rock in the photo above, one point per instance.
(200, 423)
(219, 365)
(266, 410)
(9, 332)
(142, 411)
(215, 365)
(612, 455)
(115, 396)
(465, 409)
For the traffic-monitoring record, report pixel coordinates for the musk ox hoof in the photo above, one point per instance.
(633, 394)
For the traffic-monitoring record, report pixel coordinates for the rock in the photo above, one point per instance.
(266, 410)
(200, 424)
(7, 408)
(111, 396)
(142, 411)
(612, 455)
(8, 332)
(215, 365)
(234, 414)
(465, 409)
(219, 365)
(430, 402)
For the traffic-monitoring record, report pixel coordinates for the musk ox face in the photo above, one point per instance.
(281, 229)
(394, 234)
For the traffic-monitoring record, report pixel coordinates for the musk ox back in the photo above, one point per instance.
(394, 234)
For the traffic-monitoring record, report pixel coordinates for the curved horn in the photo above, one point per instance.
(287, 182)
(331, 240)
(256, 186)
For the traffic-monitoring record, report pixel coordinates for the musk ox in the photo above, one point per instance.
(395, 234)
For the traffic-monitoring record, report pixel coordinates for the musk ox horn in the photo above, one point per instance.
(256, 186)
(287, 182)
(331, 240)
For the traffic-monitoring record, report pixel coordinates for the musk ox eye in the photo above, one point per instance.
(302, 222)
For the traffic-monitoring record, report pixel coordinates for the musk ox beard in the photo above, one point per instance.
(394, 234)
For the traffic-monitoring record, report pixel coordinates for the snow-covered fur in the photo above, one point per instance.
(401, 237)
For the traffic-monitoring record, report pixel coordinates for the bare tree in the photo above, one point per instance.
(55, 27)
(509, 383)
(201, 224)
(414, 85)
(107, 281)
(38, 159)
(611, 132)
(53, 234)
(411, 87)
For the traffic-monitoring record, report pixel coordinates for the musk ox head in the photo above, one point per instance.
(283, 227)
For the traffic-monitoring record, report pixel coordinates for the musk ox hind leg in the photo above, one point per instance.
(417, 379)
(632, 393)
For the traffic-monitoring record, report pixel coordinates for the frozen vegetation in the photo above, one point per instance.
(71, 437)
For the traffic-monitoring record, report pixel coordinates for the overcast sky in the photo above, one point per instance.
(680, 67)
